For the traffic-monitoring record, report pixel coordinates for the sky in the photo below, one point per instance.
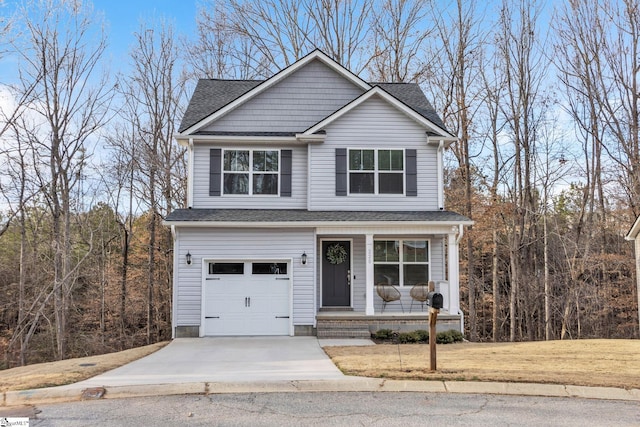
(123, 18)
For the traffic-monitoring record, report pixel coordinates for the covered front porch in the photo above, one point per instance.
(352, 262)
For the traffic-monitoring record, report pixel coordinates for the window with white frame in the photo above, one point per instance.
(251, 171)
(376, 171)
(401, 262)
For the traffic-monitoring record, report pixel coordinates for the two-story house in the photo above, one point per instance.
(305, 191)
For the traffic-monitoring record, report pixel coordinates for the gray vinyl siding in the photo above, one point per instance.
(243, 245)
(202, 199)
(299, 101)
(374, 124)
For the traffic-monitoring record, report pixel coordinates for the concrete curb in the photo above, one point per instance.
(349, 384)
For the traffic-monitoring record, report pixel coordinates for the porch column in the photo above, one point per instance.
(369, 291)
(454, 273)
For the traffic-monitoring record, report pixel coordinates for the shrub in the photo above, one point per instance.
(383, 334)
(422, 335)
(449, 337)
(408, 337)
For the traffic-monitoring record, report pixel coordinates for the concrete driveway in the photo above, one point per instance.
(233, 359)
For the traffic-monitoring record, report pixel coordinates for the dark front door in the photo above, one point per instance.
(336, 273)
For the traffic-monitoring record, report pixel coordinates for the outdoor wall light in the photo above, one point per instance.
(188, 258)
(303, 258)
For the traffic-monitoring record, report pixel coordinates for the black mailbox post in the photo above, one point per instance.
(436, 302)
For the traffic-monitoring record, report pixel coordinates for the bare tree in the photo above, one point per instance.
(60, 50)
(597, 61)
(460, 43)
(280, 31)
(219, 50)
(267, 35)
(523, 63)
(492, 88)
(157, 87)
(399, 30)
(341, 30)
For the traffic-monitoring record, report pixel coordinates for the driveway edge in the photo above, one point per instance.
(349, 384)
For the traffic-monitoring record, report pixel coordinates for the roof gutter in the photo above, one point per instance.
(184, 139)
(437, 139)
(311, 138)
(313, 224)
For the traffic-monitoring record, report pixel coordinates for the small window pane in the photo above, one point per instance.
(236, 161)
(259, 161)
(226, 268)
(397, 160)
(361, 160)
(355, 160)
(361, 183)
(384, 160)
(386, 274)
(416, 251)
(386, 251)
(236, 183)
(271, 161)
(265, 183)
(390, 183)
(368, 160)
(265, 161)
(415, 273)
(269, 268)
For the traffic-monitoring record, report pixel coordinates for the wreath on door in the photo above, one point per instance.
(336, 254)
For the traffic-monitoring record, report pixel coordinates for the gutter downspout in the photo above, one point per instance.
(458, 239)
(190, 174)
(174, 294)
(440, 175)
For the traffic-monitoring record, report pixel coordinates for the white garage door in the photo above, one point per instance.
(247, 298)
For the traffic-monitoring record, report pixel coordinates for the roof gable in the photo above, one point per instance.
(390, 99)
(258, 87)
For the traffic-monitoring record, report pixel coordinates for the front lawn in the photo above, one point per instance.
(606, 363)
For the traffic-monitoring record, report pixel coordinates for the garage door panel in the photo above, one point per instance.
(247, 304)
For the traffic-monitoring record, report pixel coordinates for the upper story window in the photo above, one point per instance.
(376, 171)
(251, 171)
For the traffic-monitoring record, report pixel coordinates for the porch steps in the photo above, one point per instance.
(336, 328)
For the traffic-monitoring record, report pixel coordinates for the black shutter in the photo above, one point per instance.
(411, 166)
(215, 164)
(285, 173)
(341, 171)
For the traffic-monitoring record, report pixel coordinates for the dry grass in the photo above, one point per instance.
(606, 363)
(69, 371)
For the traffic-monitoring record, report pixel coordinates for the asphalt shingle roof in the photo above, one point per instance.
(300, 215)
(413, 97)
(210, 95)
